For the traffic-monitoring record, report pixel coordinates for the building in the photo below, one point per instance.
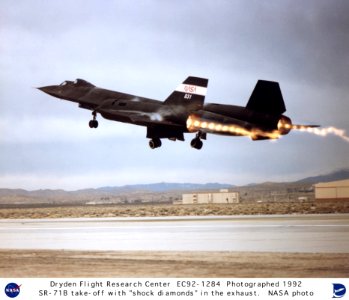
(223, 196)
(334, 190)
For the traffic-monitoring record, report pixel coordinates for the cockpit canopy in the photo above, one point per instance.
(67, 82)
(78, 82)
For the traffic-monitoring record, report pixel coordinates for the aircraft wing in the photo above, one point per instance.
(152, 119)
(137, 117)
(157, 126)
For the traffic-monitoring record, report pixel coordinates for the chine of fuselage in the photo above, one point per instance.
(84, 92)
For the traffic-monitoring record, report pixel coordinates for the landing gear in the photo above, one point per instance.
(93, 123)
(196, 142)
(155, 143)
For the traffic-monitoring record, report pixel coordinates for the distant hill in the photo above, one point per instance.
(155, 192)
(165, 187)
(333, 176)
(151, 192)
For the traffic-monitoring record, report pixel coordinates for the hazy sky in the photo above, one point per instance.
(147, 48)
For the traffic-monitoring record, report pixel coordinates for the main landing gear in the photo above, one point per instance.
(93, 123)
(196, 142)
(155, 143)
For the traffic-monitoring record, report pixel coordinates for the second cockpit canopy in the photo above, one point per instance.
(78, 82)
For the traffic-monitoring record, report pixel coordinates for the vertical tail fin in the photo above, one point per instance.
(267, 98)
(190, 93)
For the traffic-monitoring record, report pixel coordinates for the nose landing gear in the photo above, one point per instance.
(93, 123)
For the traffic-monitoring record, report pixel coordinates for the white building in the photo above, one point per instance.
(223, 196)
(332, 190)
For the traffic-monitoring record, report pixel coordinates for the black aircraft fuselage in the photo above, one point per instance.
(183, 111)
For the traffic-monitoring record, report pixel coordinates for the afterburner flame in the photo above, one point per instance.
(323, 131)
(195, 123)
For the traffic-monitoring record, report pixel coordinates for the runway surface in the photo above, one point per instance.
(286, 233)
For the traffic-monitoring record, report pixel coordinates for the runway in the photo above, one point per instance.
(286, 233)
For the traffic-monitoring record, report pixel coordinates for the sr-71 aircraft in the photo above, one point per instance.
(184, 111)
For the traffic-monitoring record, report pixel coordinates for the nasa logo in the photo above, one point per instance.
(338, 290)
(12, 290)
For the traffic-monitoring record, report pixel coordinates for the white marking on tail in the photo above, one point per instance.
(191, 89)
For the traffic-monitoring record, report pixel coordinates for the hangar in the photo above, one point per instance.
(223, 196)
(333, 190)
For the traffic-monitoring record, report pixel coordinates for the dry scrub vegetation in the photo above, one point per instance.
(158, 210)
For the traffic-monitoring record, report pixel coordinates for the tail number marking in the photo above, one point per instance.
(190, 89)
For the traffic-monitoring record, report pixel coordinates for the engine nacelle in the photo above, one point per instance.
(284, 125)
(214, 123)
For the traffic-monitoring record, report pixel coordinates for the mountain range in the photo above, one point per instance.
(165, 187)
(139, 191)
(333, 176)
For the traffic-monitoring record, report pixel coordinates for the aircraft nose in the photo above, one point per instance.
(46, 89)
(52, 90)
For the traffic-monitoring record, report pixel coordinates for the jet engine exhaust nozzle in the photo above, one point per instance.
(284, 125)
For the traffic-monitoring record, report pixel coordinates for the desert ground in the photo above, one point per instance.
(47, 263)
(62, 263)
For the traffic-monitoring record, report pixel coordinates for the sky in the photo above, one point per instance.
(147, 48)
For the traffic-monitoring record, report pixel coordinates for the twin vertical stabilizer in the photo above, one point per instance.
(267, 98)
(190, 93)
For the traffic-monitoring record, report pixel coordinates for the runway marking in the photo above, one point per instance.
(167, 227)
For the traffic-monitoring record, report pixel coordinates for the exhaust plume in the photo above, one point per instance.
(323, 131)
